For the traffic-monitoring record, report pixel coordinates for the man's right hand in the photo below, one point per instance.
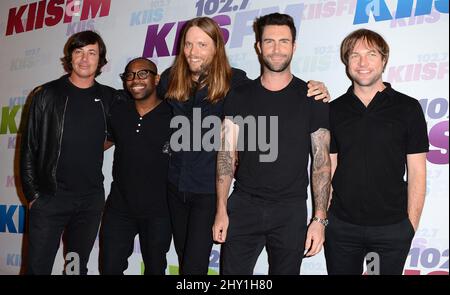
(220, 227)
(318, 90)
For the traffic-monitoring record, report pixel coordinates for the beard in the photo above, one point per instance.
(200, 70)
(277, 68)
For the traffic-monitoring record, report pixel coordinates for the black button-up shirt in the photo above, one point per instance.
(141, 159)
(372, 144)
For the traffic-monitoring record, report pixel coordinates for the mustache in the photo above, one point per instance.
(277, 55)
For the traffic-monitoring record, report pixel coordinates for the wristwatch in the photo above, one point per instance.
(324, 222)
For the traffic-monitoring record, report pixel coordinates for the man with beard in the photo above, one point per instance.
(198, 83)
(376, 132)
(137, 203)
(268, 205)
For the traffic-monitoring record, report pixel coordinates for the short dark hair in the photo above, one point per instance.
(150, 63)
(370, 37)
(276, 19)
(82, 39)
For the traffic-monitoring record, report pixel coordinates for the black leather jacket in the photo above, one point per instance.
(42, 135)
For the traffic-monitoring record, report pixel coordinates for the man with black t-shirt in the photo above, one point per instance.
(137, 204)
(62, 156)
(376, 132)
(196, 87)
(268, 204)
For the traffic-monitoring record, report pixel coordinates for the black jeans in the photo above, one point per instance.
(254, 222)
(192, 217)
(347, 245)
(77, 216)
(117, 242)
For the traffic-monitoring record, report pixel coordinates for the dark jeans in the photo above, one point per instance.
(192, 217)
(254, 222)
(79, 218)
(117, 242)
(347, 245)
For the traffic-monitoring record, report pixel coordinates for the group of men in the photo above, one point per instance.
(360, 145)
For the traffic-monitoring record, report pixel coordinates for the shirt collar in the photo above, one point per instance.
(387, 92)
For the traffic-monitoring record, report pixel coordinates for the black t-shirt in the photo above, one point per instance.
(80, 161)
(372, 145)
(140, 159)
(298, 117)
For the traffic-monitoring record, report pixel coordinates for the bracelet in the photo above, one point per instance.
(324, 222)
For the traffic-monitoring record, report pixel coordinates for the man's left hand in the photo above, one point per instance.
(314, 238)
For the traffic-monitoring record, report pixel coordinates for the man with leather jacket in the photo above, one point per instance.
(62, 156)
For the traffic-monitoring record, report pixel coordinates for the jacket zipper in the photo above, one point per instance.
(60, 140)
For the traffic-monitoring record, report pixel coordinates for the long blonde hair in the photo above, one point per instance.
(218, 79)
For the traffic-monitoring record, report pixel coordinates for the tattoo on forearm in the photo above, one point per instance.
(321, 169)
(224, 165)
(224, 161)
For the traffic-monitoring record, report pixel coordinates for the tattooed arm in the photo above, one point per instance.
(226, 164)
(321, 182)
(321, 171)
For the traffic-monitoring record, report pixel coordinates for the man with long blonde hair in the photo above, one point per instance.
(202, 62)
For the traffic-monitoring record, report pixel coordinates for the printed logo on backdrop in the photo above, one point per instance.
(429, 66)
(158, 43)
(323, 58)
(436, 113)
(30, 58)
(428, 254)
(153, 13)
(12, 219)
(13, 259)
(381, 11)
(10, 116)
(37, 15)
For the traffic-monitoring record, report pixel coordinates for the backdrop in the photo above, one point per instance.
(33, 34)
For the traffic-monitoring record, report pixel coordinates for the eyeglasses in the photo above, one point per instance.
(142, 74)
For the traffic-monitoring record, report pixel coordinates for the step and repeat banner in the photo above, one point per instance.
(33, 34)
